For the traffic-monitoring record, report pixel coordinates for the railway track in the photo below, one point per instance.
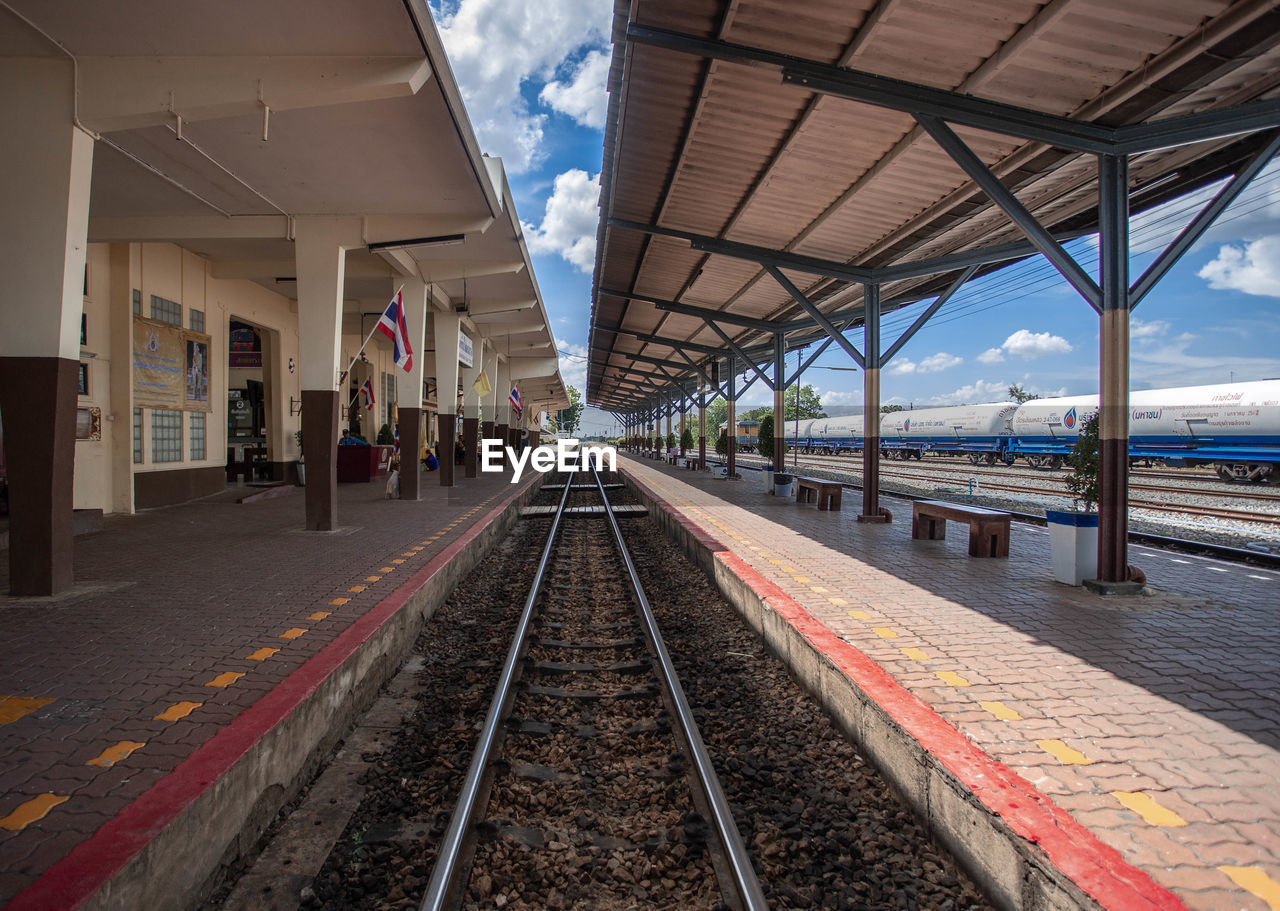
(577, 740)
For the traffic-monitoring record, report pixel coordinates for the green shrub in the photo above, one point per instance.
(385, 436)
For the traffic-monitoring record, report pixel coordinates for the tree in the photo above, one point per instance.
(722, 442)
(1020, 395)
(567, 418)
(810, 406)
(717, 414)
(686, 440)
(766, 437)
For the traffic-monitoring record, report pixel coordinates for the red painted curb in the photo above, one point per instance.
(76, 878)
(1070, 848)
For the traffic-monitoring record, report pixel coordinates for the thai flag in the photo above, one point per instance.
(397, 435)
(515, 402)
(393, 326)
(367, 389)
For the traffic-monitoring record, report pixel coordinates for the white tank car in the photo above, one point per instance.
(1234, 426)
(980, 431)
(835, 429)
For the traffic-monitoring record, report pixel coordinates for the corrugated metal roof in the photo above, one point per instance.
(725, 148)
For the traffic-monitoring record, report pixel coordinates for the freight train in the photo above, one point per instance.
(1234, 427)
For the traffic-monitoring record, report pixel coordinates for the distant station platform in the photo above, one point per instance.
(207, 654)
(1130, 744)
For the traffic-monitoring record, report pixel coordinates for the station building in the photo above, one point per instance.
(216, 207)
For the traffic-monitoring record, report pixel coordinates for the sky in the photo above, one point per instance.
(533, 77)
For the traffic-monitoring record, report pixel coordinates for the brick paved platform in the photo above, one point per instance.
(193, 636)
(1147, 725)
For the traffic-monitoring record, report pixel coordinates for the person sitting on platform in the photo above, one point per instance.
(430, 461)
(348, 439)
(459, 452)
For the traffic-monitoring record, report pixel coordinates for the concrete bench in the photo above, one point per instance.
(691, 464)
(988, 528)
(826, 493)
(673, 460)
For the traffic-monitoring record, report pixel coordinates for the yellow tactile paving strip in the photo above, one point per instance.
(735, 525)
(13, 708)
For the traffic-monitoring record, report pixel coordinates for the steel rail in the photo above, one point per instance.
(745, 881)
(446, 866)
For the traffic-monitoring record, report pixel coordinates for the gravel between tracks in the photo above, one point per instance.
(824, 828)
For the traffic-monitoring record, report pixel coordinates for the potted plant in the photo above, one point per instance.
(783, 484)
(1073, 533)
(766, 450)
(302, 467)
(686, 441)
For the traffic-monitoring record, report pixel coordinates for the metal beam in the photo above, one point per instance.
(924, 317)
(1202, 127)
(1201, 223)
(740, 353)
(894, 94)
(818, 315)
(977, 170)
(689, 310)
(752, 253)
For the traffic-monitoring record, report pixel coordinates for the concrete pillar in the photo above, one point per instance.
(702, 427)
(320, 248)
(471, 409)
(448, 326)
(871, 409)
(409, 385)
(1113, 369)
(45, 167)
(779, 404)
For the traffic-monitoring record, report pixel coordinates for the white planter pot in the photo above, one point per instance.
(1073, 545)
(784, 490)
(302, 474)
(768, 480)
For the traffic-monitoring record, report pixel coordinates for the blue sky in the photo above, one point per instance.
(533, 76)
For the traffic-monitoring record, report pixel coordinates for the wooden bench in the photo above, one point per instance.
(691, 464)
(988, 528)
(826, 493)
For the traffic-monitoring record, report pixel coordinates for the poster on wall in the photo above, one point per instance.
(170, 367)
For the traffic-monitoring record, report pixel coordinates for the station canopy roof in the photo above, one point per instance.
(787, 129)
(365, 120)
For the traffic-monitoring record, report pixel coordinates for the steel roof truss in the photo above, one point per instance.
(1201, 223)
(1201, 127)
(818, 315)
(980, 174)
(740, 353)
(929, 312)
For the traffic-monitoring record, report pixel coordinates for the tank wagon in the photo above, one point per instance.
(1235, 427)
(982, 432)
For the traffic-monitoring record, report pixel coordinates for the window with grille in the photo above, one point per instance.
(137, 302)
(166, 436)
(195, 441)
(137, 436)
(195, 320)
(166, 311)
(388, 394)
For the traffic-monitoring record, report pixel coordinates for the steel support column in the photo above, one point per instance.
(702, 427)
(731, 415)
(779, 403)
(1113, 368)
(871, 409)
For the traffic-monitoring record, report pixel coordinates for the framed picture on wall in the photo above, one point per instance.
(84, 379)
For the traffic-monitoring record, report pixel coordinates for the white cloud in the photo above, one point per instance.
(495, 46)
(574, 367)
(972, 394)
(832, 397)
(938, 362)
(1138, 329)
(934, 363)
(1253, 269)
(1171, 364)
(569, 223)
(1026, 344)
(584, 98)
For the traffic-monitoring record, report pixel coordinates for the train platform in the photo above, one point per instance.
(155, 717)
(1073, 747)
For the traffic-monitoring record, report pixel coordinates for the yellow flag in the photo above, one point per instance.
(481, 385)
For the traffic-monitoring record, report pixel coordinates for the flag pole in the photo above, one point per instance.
(347, 372)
